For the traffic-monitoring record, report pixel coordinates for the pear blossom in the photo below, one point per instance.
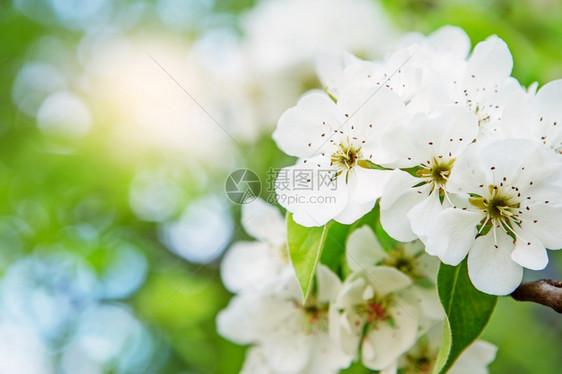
(421, 358)
(482, 84)
(512, 212)
(405, 70)
(430, 145)
(270, 65)
(461, 161)
(537, 117)
(363, 249)
(548, 115)
(335, 143)
(486, 84)
(435, 71)
(448, 40)
(371, 317)
(292, 336)
(253, 264)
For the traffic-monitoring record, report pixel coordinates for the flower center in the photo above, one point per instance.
(397, 258)
(345, 157)
(316, 315)
(420, 363)
(483, 117)
(375, 310)
(500, 208)
(436, 172)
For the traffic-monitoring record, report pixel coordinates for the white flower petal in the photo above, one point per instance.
(453, 236)
(353, 211)
(490, 61)
(288, 352)
(491, 269)
(367, 185)
(392, 369)
(423, 215)
(249, 265)
(398, 184)
(347, 329)
(327, 357)
(450, 39)
(512, 159)
(264, 222)
(547, 102)
(378, 107)
(301, 191)
(299, 130)
(368, 293)
(352, 291)
(475, 359)
(440, 137)
(468, 172)
(255, 362)
(429, 266)
(236, 322)
(329, 284)
(330, 66)
(518, 113)
(529, 252)
(363, 249)
(394, 217)
(481, 352)
(386, 279)
(383, 345)
(544, 221)
(428, 302)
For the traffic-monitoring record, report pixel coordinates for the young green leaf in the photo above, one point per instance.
(467, 313)
(305, 249)
(333, 253)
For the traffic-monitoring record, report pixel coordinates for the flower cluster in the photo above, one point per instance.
(434, 154)
(385, 312)
(456, 152)
(287, 335)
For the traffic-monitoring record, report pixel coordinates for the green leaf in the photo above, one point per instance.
(334, 247)
(467, 313)
(305, 249)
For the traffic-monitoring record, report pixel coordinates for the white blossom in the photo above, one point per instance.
(372, 318)
(482, 84)
(249, 265)
(537, 117)
(273, 64)
(363, 250)
(410, 202)
(405, 71)
(512, 212)
(335, 142)
(421, 358)
(461, 162)
(293, 336)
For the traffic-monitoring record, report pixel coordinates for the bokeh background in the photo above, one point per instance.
(119, 124)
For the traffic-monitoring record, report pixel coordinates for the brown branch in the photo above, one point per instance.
(544, 291)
